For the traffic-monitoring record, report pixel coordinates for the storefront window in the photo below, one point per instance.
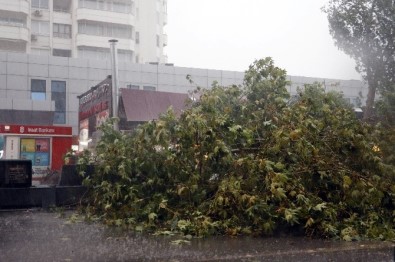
(38, 151)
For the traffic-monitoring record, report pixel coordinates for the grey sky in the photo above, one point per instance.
(231, 34)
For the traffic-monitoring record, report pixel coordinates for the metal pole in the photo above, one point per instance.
(114, 79)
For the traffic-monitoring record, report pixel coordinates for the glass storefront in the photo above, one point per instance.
(38, 151)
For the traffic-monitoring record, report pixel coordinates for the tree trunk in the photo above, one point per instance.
(372, 85)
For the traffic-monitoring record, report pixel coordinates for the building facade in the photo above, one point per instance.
(82, 28)
(49, 84)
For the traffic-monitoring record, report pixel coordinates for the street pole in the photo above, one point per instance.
(114, 79)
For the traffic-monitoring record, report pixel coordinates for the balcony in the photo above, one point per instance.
(62, 6)
(12, 46)
(105, 16)
(62, 43)
(14, 33)
(62, 18)
(20, 6)
(102, 42)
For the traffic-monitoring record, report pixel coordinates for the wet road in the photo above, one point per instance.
(37, 235)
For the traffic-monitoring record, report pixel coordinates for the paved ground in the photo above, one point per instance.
(37, 235)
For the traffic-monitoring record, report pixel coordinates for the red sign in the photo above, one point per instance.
(36, 130)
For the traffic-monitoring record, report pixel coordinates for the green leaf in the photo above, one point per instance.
(152, 217)
(309, 222)
(139, 229)
(180, 242)
(320, 206)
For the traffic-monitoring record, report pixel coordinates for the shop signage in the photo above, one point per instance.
(94, 109)
(35, 130)
(95, 94)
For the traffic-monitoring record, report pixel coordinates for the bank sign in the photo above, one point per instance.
(35, 130)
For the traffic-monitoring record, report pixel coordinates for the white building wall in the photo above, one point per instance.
(151, 18)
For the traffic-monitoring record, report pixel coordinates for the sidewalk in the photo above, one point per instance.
(38, 235)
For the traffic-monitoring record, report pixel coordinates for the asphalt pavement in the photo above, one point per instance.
(40, 235)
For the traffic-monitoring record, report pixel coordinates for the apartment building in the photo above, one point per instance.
(82, 28)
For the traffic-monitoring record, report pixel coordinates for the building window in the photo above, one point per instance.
(97, 53)
(136, 87)
(111, 6)
(12, 21)
(120, 7)
(38, 89)
(61, 52)
(149, 88)
(133, 8)
(62, 30)
(356, 101)
(58, 94)
(94, 53)
(38, 51)
(165, 6)
(63, 6)
(137, 37)
(40, 27)
(42, 4)
(347, 100)
(104, 29)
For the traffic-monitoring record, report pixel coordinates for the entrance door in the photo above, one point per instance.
(11, 147)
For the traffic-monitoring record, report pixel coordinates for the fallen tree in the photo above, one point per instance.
(248, 160)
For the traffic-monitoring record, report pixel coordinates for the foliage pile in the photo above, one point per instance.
(248, 160)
